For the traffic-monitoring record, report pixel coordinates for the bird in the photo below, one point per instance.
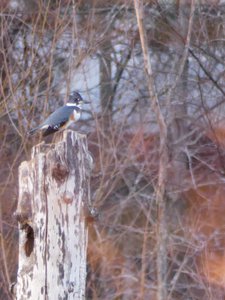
(62, 117)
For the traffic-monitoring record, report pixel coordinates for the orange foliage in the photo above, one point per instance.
(218, 135)
(206, 219)
(104, 260)
(213, 267)
(204, 216)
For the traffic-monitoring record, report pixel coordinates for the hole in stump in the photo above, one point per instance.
(29, 243)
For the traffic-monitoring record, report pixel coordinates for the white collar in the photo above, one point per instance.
(73, 104)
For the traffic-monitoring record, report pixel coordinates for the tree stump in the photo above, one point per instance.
(53, 193)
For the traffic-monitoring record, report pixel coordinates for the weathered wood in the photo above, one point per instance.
(53, 192)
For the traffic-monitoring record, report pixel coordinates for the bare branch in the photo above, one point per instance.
(163, 158)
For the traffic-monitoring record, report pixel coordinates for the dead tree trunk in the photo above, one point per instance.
(53, 193)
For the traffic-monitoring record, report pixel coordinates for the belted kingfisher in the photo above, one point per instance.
(63, 117)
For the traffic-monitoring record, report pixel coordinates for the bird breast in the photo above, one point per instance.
(74, 117)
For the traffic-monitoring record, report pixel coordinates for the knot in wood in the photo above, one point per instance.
(59, 172)
(68, 198)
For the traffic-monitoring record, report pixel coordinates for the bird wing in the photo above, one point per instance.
(61, 115)
(52, 129)
(55, 120)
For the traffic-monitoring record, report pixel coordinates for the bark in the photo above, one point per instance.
(53, 193)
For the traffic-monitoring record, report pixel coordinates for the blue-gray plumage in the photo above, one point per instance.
(63, 117)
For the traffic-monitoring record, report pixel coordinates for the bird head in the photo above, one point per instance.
(75, 99)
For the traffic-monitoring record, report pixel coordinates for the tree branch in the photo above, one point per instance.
(163, 158)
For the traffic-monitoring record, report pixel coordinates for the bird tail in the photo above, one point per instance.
(33, 131)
